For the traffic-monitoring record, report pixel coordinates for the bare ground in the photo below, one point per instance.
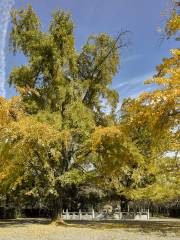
(42, 229)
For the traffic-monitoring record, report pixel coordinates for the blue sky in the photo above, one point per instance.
(141, 17)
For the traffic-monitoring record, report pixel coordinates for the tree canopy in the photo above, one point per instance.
(56, 134)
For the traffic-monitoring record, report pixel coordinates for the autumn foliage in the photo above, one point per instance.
(56, 135)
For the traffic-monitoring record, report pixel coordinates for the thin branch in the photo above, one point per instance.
(97, 67)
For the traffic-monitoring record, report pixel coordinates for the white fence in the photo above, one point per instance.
(97, 216)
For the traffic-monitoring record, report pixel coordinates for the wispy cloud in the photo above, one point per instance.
(134, 86)
(5, 7)
(131, 58)
(134, 81)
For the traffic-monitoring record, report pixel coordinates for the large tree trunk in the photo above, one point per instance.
(124, 203)
(59, 202)
(58, 208)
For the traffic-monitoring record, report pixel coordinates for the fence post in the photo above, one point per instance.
(80, 214)
(93, 215)
(148, 214)
(66, 214)
(120, 214)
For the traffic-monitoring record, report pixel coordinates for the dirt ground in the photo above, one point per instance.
(42, 229)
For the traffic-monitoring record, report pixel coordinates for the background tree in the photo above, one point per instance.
(152, 121)
(131, 156)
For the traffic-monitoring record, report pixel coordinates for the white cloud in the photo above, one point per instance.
(5, 7)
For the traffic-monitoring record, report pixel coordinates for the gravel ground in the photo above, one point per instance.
(41, 229)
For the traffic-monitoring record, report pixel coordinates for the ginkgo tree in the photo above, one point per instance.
(61, 93)
(130, 157)
(29, 149)
(56, 134)
(152, 121)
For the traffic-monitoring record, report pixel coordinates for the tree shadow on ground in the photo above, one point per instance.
(23, 222)
(134, 226)
(163, 227)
